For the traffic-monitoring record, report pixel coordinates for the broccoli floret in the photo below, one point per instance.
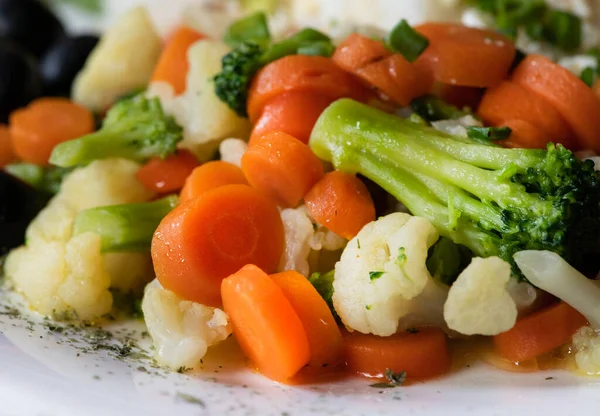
(239, 66)
(126, 227)
(136, 128)
(494, 201)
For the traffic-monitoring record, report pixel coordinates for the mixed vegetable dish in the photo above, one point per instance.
(360, 202)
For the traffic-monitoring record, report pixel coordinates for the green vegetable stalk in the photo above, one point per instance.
(127, 227)
(494, 201)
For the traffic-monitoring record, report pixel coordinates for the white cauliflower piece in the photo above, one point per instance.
(65, 275)
(577, 63)
(181, 330)
(380, 271)
(122, 61)
(205, 119)
(586, 343)
(232, 150)
(479, 302)
(457, 127)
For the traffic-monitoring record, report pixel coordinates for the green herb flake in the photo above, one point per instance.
(402, 257)
(183, 369)
(368, 307)
(375, 275)
(489, 133)
(408, 42)
(394, 380)
(589, 76)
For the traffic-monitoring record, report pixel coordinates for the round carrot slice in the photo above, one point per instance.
(421, 354)
(300, 73)
(265, 324)
(525, 135)
(465, 56)
(282, 167)
(209, 176)
(324, 336)
(205, 239)
(167, 175)
(358, 51)
(574, 100)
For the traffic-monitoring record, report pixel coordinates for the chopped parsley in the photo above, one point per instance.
(394, 380)
(375, 275)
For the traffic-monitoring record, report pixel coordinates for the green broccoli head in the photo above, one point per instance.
(136, 128)
(493, 200)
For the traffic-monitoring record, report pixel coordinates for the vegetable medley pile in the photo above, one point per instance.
(354, 203)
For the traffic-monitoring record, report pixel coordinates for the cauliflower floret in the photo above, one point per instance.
(123, 61)
(586, 342)
(62, 279)
(380, 271)
(303, 236)
(232, 150)
(206, 120)
(479, 302)
(61, 274)
(457, 127)
(181, 330)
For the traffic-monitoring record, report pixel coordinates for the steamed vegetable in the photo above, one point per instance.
(167, 175)
(182, 331)
(209, 176)
(136, 128)
(45, 179)
(127, 227)
(492, 200)
(7, 153)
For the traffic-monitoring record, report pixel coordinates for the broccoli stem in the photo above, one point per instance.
(126, 227)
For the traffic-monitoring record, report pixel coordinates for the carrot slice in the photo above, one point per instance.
(205, 239)
(465, 56)
(282, 167)
(294, 113)
(422, 354)
(300, 73)
(209, 176)
(539, 333)
(509, 101)
(525, 135)
(596, 88)
(324, 336)
(459, 96)
(167, 175)
(7, 154)
(394, 77)
(342, 203)
(172, 66)
(574, 100)
(265, 324)
(43, 124)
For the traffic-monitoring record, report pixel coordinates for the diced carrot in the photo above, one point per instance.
(525, 135)
(209, 176)
(342, 203)
(206, 239)
(324, 336)
(421, 354)
(301, 73)
(282, 167)
(392, 75)
(539, 333)
(509, 101)
(172, 66)
(43, 124)
(7, 154)
(294, 113)
(465, 56)
(167, 175)
(573, 99)
(459, 96)
(265, 324)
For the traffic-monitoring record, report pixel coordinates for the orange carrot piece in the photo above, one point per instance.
(509, 101)
(282, 167)
(465, 56)
(324, 336)
(596, 88)
(167, 175)
(43, 124)
(301, 73)
(539, 333)
(423, 354)
(459, 96)
(392, 75)
(206, 239)
(209, 176)
(524, 135)
(172, 66)
(7, 154)
(573, 99)
(265, 324)
(294, 113)
(342, 203)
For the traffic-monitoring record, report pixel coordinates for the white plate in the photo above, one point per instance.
(50, 373)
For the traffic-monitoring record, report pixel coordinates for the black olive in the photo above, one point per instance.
(20, 81)
(19, 204)
(63, 61)
(30, 24)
